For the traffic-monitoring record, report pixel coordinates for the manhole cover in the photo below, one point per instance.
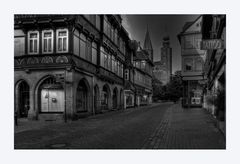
(58, 146)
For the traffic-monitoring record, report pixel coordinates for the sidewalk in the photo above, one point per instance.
(186, 129)
(24, 124)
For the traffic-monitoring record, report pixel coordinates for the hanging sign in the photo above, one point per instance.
(212, 44)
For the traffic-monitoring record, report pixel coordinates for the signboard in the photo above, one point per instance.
(212, 44)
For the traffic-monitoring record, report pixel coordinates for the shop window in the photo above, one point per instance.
(33, 42)
(62, 40)
(47, 41)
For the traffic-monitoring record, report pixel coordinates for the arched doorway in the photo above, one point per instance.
(105, 97)
(51, 95)
(96, 99)
(23, 99)
(115, 98)
(82, 97)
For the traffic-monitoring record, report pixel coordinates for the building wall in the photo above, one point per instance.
(79, 65)
(192, 64)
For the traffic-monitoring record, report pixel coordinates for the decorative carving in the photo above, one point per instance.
(23, 62)
(32, 60)
(16, 62)
(62, 59)
(47, 60)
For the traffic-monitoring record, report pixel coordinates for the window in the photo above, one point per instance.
(113, 63)
(116, 68)
(83, 46)
(98, 22)
(94, 53)
(19, 46)
(126, 74)
(115, 37)
(62, 40)
(109, 62)
(89, 50)
(121, 70)
(188, 64)
(138, 64)
(105, 25)
(143, 64)
(47, 41)
(105, 60)
(33, 42)
(102, 57)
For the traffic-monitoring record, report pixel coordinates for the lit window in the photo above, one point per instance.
(33, 42)
(47, 41)
(62, 40)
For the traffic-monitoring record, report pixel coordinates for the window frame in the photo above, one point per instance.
(57, 37)
(29, 33)
(52, 37)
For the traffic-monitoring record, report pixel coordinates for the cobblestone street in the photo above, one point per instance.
(186, 129)
(160, 126)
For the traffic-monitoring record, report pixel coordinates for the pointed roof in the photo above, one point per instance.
(147, 42)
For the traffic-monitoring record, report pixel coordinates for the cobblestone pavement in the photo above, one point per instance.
(160, 126)
(124, 129)
(185, 129)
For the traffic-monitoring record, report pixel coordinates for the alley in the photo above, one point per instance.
(159, 126)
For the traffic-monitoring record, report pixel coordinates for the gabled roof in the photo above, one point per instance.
(188, 25)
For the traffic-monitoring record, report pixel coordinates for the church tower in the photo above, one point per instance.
(148, 45)
(166, 57)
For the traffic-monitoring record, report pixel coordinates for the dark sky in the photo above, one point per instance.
(159, 26)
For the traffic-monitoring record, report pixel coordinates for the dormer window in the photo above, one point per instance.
(62, 40)
(47, 41)
(33, 42)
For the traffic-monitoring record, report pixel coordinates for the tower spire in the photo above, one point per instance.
(148, 44)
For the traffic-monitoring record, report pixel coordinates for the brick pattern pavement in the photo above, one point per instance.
(185, 129)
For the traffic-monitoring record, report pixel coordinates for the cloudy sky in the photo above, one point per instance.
(159, 26)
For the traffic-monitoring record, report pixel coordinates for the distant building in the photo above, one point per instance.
(143, 66)
(163, 68)
(192, 63)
